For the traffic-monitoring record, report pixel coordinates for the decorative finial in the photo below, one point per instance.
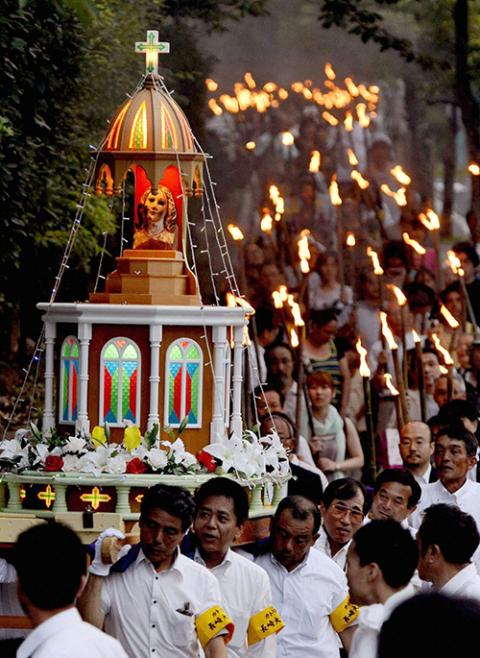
(152, 48)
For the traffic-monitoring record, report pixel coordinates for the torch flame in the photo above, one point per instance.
(232, 300)
(364, 369)
(377, 268)
(400, 297)
(329, 72)
(249, 80)
(266, 223)
(363, 119)
(287, 138)
(352, 87)
(280, 296)
(274, 193)
(359, 179)
(454, 324)
(334, 193)
(398, 173)
(294, 342)
(443, 370)
(303, 251)
(445, 353)
(416, 337)
(211, 84)
(350, 241)
(455, 263)
(474, 169)
(352, 158)
(250, 146)
(329, 118)
(297, 316)
(388, 383)
(215, 107)
(387, 332)
(430, 220)
(399, 195)
(235, 232)
(314, 165)
(416, 246)
(348, 122)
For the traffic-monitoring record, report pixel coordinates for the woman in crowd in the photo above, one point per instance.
(323, 352)
(333, 440)
(324, 289)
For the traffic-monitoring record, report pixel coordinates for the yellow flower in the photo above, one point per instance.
(131, 437)
(99, 436)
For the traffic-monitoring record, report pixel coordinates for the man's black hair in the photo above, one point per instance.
(419, 295)
(344, 489)
(270, 348)
(390, 546)
(453, 287)
(323, 316)
(176, 501)
(453, 410)
(467, 248)
(449, 628)
(456, 430)
(222, 486)
(258, 392)
(50, 561)
(300, 508)
(453, 531)
(402, 477)
(395, 249)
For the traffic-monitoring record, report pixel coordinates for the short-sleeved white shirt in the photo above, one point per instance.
(65, 635)
(245, 590)
(305, 597)
(466, 583)
(142, 607)
(467, 498)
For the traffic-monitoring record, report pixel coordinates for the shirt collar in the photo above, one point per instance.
(299, 567)
(463, 577)
(48, 629)
(393, 601)
(176, 565)
(224, 564)
(459, 493)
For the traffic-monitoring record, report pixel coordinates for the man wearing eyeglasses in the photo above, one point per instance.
(343, 510)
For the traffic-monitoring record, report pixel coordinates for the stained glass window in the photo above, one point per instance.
(69, 360)
(120, 382)
(183, 383)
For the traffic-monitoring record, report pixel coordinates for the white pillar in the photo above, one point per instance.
(84, 338)
(155, 342)
(217, 426)
(237, 379)
(48, 422)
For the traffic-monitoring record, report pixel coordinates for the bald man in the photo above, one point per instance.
(416, 448)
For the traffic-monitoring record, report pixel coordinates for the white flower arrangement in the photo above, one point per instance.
(247, 458)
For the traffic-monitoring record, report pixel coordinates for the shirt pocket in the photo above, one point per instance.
(183, 630)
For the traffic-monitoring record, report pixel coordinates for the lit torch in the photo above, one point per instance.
(314, 165)
(304, 251)
(417, 341)
(367, 395)
(451, 321)
(393, 347)
(416, 246)
(401, 177)
(235, 232)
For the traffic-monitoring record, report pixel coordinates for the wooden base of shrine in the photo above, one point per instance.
(153, 277)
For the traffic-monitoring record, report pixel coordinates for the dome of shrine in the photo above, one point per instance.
(150, 121)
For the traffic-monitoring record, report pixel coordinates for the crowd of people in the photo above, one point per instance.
(379, 527)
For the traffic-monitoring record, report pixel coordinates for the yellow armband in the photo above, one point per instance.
(343, 616)
(263, 624)
(211, 622)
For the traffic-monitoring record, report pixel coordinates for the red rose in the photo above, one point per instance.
(207, 460)
(53, 463)
(136, 466)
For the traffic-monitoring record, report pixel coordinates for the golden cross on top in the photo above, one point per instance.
(152, 48)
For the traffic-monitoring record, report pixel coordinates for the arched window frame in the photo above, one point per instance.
(121, 364)
(184, 361)
(73, 389)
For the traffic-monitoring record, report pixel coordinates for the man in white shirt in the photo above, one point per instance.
(157, 602)
(380, 564)
(309, 590)
(416, 449)
(447, 540)
(455, 454)
(51, 564)
(221, 509)
(395, 496)
(280, 360)
(343, 510)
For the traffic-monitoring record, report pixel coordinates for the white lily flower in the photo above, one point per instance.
(10, 448)
(42, 453)
(75, 444)
(116, 465)
(71, 463)
(157, 458)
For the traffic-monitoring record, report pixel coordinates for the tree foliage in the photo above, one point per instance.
(67, 65)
